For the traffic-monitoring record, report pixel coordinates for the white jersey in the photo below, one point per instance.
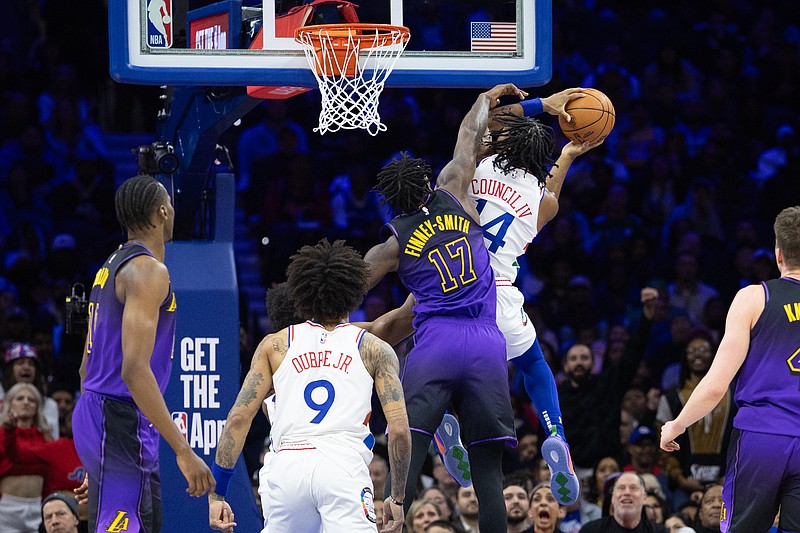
(508, 205)
(323, 392)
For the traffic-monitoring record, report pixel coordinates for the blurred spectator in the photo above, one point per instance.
(590, 404)
(379, 473)
(21, 483)
(420, 514)
(355, 207)
(708, 515)
(773, 159)
(643, 451)
(442, 526)
(22, 366)
(627, 509)
(687, 292)
(437, 496)
(262, 139)
(701, 459)
(467, 509)
(616, 224)
(60, 514)
(515, 494)
(636, 402)
(604, 468)
(676, 521)
(655, 506)
(64, 396)
(544, 510)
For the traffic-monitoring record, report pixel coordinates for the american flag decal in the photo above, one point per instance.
(493, 37)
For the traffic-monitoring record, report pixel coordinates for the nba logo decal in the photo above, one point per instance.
(159, 23)
(181, 420)
(368, 504)
(323, 337)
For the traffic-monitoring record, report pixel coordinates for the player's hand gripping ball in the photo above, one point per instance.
(593, 117)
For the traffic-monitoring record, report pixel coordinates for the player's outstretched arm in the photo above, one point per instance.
(555, 181)
(555, 105)
(143, 284)
(382, 259)
(257, 385)
(742, 315)
(457, 174)
(381, 361)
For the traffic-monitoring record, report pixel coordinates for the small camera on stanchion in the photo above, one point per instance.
(77, 319)
(157, 158)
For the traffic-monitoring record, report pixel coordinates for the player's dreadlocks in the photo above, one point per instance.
(136, 200)
(404, 183)
(280, 307)
(327, 281)
(524, 143)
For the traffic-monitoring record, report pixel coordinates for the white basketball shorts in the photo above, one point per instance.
(307, 491)
(512, 319)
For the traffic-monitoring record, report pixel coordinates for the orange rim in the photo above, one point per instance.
(339, 34)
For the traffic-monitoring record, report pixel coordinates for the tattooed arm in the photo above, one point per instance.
(256, 387)
(381, 362)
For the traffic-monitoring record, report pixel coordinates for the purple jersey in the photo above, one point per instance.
(768, 384)
(104, 359)
(444, 261)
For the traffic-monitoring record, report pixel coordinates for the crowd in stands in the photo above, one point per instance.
(680, 198)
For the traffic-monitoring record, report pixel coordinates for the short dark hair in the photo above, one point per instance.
(280, 307)
(518, 479)
(136, 200)
(327, 281)
(404, 183)
(444, 524)
(787, 234)
(523, 143)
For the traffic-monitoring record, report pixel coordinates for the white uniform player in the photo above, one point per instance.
(323, 373)
(318, 473)
(514, 205)
(508, 205)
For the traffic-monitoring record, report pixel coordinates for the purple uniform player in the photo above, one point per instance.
(762, 345)
(437, 248)
(125, 370)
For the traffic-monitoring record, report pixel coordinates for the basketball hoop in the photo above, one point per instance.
(351, 63)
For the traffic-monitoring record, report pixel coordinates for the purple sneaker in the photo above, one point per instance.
(454, 456)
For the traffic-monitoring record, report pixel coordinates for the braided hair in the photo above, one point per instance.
(523, 143)
(327, 281)
(404, 183)
(136, 200)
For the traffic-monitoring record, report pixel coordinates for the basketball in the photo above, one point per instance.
(593, 117)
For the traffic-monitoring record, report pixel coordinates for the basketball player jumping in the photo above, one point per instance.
(760, 348)
(323, 372)
(516, 194)
(436, 246)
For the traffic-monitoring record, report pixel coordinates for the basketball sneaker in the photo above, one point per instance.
(447, 438)
(563, 482)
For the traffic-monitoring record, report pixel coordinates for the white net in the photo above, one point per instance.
(351, 64)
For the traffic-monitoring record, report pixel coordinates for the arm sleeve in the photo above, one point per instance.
(531, 108)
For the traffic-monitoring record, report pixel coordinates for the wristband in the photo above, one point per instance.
(391, 499)
(223, 478)
(531, 108)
